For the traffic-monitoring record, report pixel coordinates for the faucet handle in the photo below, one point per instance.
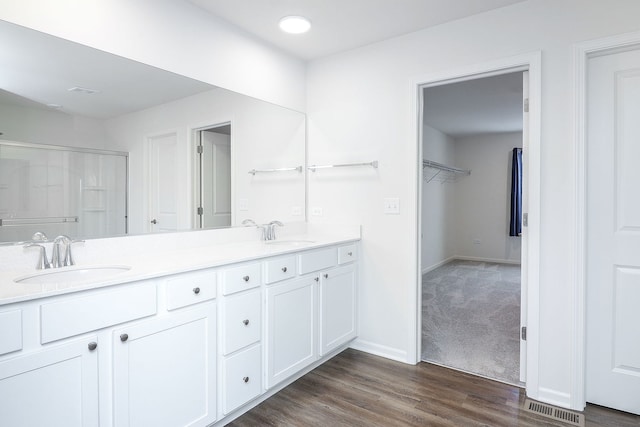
(43, 262)
(68, 258)
(39, 236)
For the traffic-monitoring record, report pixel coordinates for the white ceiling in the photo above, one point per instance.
(487, 105)
(41, 68)
(339, 25)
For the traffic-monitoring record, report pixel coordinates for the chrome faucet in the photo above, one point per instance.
(60, 252)
(270, 230)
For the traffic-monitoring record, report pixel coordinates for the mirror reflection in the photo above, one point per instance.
(190, 146)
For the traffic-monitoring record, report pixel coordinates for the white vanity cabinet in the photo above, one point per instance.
(337, 307)
(241, 335)
(164, 370)
(56, 386)
(291, 326)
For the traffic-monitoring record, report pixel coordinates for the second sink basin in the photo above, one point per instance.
(73, 274)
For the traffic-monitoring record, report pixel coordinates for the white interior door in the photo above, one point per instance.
(613, 231)
(163, 190)
(216, 179)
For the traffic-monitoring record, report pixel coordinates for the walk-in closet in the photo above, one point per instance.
(471, 209)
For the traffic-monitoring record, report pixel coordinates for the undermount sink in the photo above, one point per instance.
(73, 274)
(289, 242)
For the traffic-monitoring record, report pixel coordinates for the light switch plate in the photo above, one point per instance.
(243, 205)
(296, 211)
(316, 211)
(392, 206)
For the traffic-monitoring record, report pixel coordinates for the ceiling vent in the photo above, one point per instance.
(84, 90)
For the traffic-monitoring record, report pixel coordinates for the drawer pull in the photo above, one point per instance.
(284, 269)
(245, 379)
(196, 291)
(124, 337)
(245, 278)
(92, 345)
(350, 253)
(246, 322)
(317, 279)
(326, 276)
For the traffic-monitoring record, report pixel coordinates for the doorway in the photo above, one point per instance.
(163, 178)
(530, 248)
(471, 224)
(213, 176)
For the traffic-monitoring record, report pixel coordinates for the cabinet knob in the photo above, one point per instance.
(246, 322)
(92, 345)
(196, 291)
(124, 337)
(284, 269)
(350, 253)
(326, 276)
(317, 279)
(245, 379)
(245, 278)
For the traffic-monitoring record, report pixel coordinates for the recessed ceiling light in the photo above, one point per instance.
(85, 90)
(55, 106)
(295, 24)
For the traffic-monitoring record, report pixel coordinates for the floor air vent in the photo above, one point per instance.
(554, 413)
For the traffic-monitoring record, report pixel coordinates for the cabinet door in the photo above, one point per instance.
(164, 370)
(56, 386)
(337, 308)
(291, 328)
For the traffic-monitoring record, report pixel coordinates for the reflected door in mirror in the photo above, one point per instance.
(163, 205)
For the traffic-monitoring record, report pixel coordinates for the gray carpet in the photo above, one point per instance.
(471, 318)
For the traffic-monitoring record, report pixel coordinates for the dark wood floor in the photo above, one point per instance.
(358, 389)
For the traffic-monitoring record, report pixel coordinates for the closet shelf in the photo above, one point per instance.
(442, 173)
(373, 164)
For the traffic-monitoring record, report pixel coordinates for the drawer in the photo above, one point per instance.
(347, 253)
(240, 278)
(280, 269)
(10, 331)
(77, 315)
(242, 375)
(317, 260)
(190, 288)
(241, 321)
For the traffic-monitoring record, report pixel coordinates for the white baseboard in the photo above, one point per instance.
(380, 350)
(439, 264)
(481, 259)
(553, 397)
(469, 258)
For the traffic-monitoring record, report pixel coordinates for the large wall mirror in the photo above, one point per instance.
(184, 154)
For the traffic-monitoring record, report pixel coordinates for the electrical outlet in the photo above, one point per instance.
(392, 206)
(316, 211)
(243, 205)
(476, 241)
(296, 211)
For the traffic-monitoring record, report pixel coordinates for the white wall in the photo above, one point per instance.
(263, 136)
(438, 223)
(40, 126)
(360, 102)
(483, 199)
(173, 35)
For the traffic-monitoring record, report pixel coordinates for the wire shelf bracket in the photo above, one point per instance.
(442, 173)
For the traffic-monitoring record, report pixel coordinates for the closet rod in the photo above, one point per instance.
(373, 164)
(255, 171)
(436, 165)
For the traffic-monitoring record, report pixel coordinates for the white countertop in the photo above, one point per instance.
(148, 264)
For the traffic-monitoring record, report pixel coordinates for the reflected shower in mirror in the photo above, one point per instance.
(56, 92)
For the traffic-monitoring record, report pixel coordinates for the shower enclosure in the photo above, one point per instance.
(79, 192)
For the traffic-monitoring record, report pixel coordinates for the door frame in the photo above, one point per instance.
(150, 203)
(193, 164)
(581, 54)
(531, 62)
